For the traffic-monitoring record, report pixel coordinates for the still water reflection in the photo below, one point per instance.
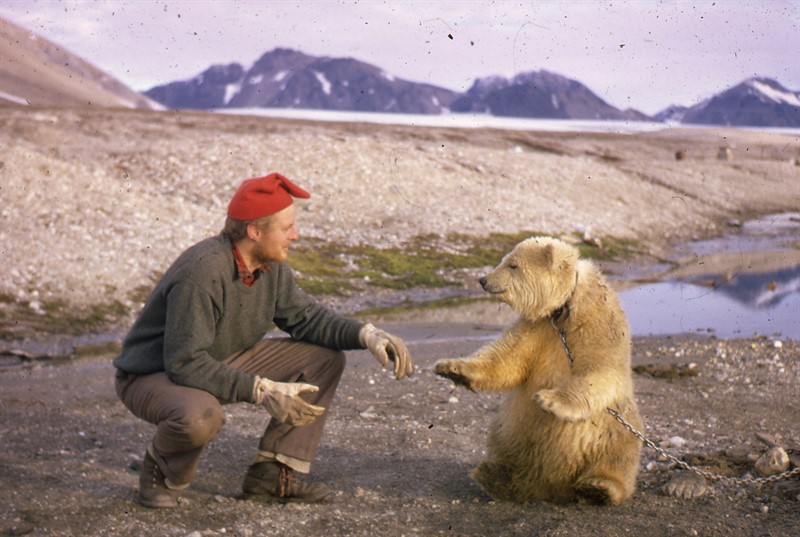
(742, 284)
(741, 309)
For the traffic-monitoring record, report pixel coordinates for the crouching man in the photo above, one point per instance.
(198, 343)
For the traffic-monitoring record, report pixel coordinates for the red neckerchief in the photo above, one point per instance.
(248, 278)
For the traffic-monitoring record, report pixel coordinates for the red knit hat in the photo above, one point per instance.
(262, 196)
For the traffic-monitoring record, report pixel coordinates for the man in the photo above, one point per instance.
(198, 343)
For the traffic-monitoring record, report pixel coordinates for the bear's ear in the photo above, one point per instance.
(549, 255)
(544, 256)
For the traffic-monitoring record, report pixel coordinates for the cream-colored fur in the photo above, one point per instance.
(552, 438)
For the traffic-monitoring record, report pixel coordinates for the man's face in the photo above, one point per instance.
(272, 243)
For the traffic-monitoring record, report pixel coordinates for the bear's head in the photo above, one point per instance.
(536, 277)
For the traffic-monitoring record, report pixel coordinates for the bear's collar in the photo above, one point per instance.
(562, 313)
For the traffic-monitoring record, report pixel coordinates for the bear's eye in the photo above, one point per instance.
(512, 266)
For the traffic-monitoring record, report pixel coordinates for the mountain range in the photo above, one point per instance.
(37, 72)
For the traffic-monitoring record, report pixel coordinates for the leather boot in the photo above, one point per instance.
(153, 491)
(275, 482)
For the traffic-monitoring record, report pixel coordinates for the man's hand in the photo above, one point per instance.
(282, 400)
(386, 347)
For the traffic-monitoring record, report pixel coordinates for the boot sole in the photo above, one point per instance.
(162, 503)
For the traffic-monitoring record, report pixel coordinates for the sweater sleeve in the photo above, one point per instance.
(190, 331)
(305, 319)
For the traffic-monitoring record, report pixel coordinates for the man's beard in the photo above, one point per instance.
(261, 256)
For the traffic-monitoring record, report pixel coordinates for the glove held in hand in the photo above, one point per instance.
(282, 400)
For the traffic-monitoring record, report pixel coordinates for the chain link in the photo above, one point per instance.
(758, 481)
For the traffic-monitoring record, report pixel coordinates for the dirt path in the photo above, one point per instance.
(398, 453)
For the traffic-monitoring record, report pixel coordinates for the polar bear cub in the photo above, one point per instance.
(552, 438)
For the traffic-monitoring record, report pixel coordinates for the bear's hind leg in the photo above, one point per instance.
(602, 490)
(495, 480)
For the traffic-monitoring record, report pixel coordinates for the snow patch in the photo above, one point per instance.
(280, 75)
(13, 98)
(324, 82)
(253, 80)
(775, 94)
(230, 91)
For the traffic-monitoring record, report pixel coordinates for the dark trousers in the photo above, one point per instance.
(187, 419)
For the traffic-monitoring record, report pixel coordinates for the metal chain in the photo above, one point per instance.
(563, 335)
(749, 480)
(758, 481)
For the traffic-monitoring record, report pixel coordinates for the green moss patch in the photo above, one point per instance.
(325, 268)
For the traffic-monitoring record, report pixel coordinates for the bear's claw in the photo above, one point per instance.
(457, 378)
(452, 371)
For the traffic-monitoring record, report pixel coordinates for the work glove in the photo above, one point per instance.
(386, 347)
(282, 400)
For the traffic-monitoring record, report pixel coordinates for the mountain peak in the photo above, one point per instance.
(755, 102)
(771, 89)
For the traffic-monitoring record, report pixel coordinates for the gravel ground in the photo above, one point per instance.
(398, 453)
(94, 204)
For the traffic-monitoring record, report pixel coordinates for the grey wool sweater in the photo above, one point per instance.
(201, 313)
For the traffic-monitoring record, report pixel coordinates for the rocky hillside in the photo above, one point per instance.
(37, 72)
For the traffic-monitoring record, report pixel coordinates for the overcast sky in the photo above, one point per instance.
(644, 55)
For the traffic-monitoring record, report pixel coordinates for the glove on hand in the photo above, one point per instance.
(282, 400)
(386, 347)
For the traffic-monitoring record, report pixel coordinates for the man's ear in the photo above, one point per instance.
(253, 232)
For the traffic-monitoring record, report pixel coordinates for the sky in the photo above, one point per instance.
(645, 55)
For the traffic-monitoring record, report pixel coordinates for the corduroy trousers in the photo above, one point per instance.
(187, 419)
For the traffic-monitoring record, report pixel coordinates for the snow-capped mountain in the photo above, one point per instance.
(539, 94)
(756, 102)
(284, 78)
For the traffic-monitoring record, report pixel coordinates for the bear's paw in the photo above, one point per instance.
(686, 485)
(550, 401)
(453, 370)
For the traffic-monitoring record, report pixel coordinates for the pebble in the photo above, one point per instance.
(676, 442)
(773, 462)
(369, 412)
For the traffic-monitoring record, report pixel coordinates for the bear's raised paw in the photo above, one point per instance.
(453, 370)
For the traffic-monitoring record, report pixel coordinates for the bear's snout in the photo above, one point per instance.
(490, 287)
